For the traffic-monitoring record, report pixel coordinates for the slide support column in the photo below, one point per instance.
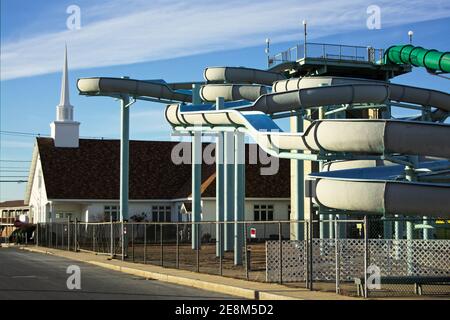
(297, 189)
(196, 176)
(239, 196)
(228, 143)
(219, 186)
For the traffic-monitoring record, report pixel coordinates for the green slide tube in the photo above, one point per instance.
(419, 57)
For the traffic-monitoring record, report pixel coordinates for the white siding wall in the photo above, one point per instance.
(281, 208)
(38, 196)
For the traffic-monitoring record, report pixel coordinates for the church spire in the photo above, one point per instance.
(65, 131)
(64, 109)
(65, 101)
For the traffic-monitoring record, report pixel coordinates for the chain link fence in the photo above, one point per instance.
(369, 257)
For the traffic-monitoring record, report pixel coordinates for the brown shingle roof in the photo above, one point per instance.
(92, 171)
(12, 204)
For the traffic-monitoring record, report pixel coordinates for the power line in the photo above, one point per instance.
(13, 176)
(34, 134)
(15, 161)
(13, 181)
(1, 170)
(23, 134)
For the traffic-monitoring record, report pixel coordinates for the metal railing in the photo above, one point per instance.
(327, 51)
(331, 255)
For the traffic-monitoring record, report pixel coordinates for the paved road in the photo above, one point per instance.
(27, 275)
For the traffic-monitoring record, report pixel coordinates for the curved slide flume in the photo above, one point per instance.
(360, 136)
(418, 57)
(397, 92)
(236, 83)
(137, 88)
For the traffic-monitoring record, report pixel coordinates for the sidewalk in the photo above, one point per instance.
(240, 288)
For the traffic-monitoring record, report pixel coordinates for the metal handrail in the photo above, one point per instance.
(298, 52)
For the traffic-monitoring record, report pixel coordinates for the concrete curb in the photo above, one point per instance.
(194, 283)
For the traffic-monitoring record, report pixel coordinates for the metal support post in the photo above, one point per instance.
(132, 240)
(331, 227)
(221, 252)
(145, 243)
(196, 186)
(366, 255)
(196, 174)
(68, 234)
(387, 229)
(297, 187)
(177, 262)
(239, 195)
(228, 190)
(76, 235)
(198, 248)
(247, 257)
(280, 248)
(161, 243)
(111, 236)
(219, 184)
(426, 230)
(337, 255)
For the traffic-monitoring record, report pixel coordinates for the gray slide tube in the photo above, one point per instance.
(397, 92)
(385, 197)
(320, 96)
(117, 86)
(240, 75)
(360, 136)
(231, 92)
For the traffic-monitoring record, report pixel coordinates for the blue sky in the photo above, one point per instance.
(172, 40)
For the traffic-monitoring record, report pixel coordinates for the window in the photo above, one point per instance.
(161, 213)
(263, 212)
(111, 211)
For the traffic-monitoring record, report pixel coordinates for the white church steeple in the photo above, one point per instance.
(64, 111)
(65, 131)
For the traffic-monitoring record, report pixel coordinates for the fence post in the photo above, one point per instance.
(76, 235)
(145, 243)
(306, 251)
(161, 243)
(197, 227)
(132, 240)
(221, 239)
(247, 257)
(68, 234)
(177, 263)
(111, 236)
(311, 254)
(280, 263)
(37, 235)
(93, 237)
(124, 231)
(366, 255)
(336, 245)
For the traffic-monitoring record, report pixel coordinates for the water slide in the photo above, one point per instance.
(345, 190)
(363, 137)
(137, 88)
(419, 57)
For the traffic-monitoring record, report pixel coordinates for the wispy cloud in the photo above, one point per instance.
(149, 31)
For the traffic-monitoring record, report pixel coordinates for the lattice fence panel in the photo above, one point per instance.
(411, 257)
(293, 264)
